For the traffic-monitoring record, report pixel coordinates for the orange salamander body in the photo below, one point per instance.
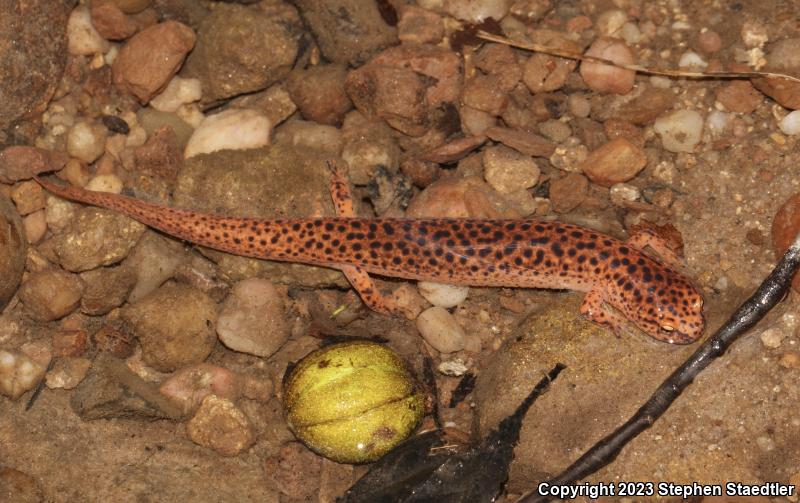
(500, 253)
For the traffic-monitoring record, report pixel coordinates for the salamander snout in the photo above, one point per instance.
(678, 319)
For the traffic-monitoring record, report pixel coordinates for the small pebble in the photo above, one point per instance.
(506, 170)
(680, 131)
(189, 386)
(611, 21)
(442, 295)
(621, 193)
(18, 373)
(555, 130)
(690, 60)
(69, 343)
(441, 330)
(630, 33)
(252, 318)
(569, 192)
(67, 372)
(35, 226)
(717, 121)
(234, 129)
(86, 141)
(221, 426)
(178, 92)
(453, 368)
(772, 337)
(476, 11)
(790, 360)
(578, 105)
(790, 125)
(606, 78)
(617, 161)
(709, 41)
(82, 38)
(50, 294)
(105, 183)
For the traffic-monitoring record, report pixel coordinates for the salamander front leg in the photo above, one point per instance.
(595, 308)
(642, 237)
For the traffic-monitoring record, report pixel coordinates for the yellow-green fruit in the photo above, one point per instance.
(352, 402)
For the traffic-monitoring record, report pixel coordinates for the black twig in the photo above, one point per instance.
(769, 294)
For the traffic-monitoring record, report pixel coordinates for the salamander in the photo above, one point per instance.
(623, 282)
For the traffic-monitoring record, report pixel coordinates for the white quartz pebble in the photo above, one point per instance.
(178, 92)
(82, 38)
(441, 330)
(86, 141)
(680, 131)
(791, 123)
(442, 295)
(235, 129)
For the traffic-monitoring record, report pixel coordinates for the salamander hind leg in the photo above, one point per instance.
(595, 308)
(362, 283)
(340, 192)
(369, 291)
(642, 237)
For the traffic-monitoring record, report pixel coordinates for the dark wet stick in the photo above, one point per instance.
(767, 296)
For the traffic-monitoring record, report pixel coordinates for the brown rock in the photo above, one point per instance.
(607, 78)
(785, 227)
(453, 151)
(242, 49)
(13, 248)
(528, 143)
(148, 61)
(439, 67)
(782, 57)
(739, 96)
(161, 156)
(451, 198)
(645, 108)
(420, 26)
(544, 73)
(320, 94)
(174, 325)
(421, 173)
(568, 193)
(110, 22)
(393, 94)
(116, 342)
(347, 31)
(617, 128)
(485, 93)
(32, 59)
(132, 6)
(499, 61)
(106, 288)
(28, 197)
(51, 294)
(69, 343)
(220, 426)
(22, 162)
(590, 132)
(617, 161)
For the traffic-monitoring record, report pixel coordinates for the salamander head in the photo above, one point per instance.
(673, 314)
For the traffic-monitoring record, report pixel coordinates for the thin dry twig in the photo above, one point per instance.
(774, 288)
(530, 46)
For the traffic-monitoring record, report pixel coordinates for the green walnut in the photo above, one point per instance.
(352, 402)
